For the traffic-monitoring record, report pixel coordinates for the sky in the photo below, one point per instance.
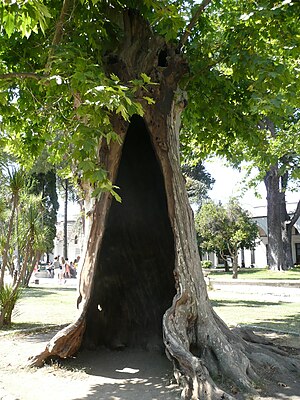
(230, 182)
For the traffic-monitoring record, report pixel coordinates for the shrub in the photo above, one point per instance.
(8, 300)
(206, 264)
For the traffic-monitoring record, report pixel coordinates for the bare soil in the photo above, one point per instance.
(111, 375)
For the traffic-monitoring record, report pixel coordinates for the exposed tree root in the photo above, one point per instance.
(64, 344)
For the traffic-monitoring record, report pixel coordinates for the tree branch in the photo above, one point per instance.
(193, 22)
(65, 13)
(22, 75)
(296, 215)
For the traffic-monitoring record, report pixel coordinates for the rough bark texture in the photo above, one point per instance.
(274, 220)
(279, 222)
(141, 278)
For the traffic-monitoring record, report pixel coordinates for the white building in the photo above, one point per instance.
(75, 239)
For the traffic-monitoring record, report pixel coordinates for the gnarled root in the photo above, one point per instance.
(64, 344)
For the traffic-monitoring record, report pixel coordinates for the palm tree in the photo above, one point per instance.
(33, 241)
(15, 183)
(35, 236)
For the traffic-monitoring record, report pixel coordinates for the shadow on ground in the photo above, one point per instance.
(43, 292)
(289, 323)
(127, 375)
(243, 303)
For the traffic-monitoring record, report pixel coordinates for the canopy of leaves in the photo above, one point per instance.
(54, 90)
(245, 71)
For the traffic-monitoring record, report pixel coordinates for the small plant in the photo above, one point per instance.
(206, 264)
(8, 300)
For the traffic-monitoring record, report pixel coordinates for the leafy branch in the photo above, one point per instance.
(59, 29)
(193, 22)
(22, 75)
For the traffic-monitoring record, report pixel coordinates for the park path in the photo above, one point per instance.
(264, 290)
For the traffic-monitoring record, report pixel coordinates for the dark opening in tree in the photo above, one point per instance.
(134, 282)
(162, 58)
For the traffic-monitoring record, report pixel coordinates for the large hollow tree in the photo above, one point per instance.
(141, 282)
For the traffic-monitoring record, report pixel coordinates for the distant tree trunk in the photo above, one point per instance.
(7, 240)
(30, 268)
(235, 265)
(287, 223)
(274, 219)
(65, 246)
(142, 266)
(287, 236)
(286, 233)
(287, 245)
(279, 222)
(226, 266)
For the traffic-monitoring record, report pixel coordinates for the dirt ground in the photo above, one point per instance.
(107, 375)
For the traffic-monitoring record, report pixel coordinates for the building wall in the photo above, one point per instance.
(75, 239)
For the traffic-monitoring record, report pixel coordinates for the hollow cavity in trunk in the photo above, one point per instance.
(134, 282)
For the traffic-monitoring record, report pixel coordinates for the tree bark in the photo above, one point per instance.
(287, 236)
(274, 220)
(141, 277)
(65, 246)
(235, 265)
(286, 226)
(8, 238)
(279, 222)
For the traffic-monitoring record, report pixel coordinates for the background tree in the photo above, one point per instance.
(278, 163)
(198, 183)
(44, 183)
(15, 184)
(225, 230)
(103, 89)
(23, 247)
(35, 236)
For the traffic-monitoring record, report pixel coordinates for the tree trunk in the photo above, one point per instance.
(141, 277)
(274, 219)
(235, 265)
(7, 242)
(286, 226)
(287, 241)
(279, 222)
(65, 246)
(287, 235)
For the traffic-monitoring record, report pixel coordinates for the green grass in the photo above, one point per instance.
(44, 306)
(257, 273)
(242, 309)
(40, 306)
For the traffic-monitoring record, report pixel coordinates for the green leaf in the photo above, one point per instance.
(9, 24)
(149, 100)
